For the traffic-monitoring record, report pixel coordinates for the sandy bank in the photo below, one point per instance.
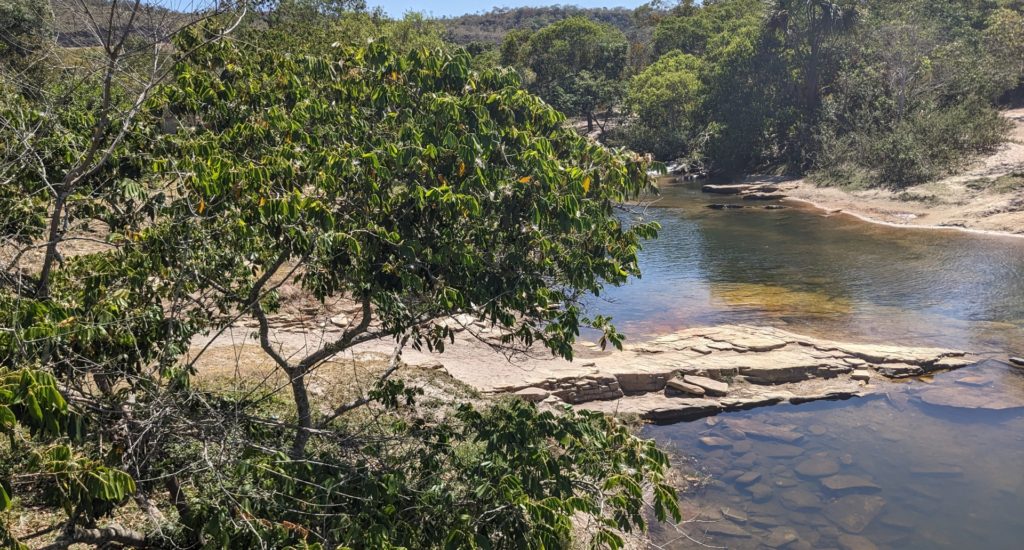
(977, 199)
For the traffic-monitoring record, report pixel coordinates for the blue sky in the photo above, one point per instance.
(443, 8)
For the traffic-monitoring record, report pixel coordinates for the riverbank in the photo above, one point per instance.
(987, 197)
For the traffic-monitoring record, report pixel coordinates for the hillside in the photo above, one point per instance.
(493, 25)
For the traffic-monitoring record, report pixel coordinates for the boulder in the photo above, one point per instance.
(780, 450)
(861, 375)
(780, 537)
(759, 492)
(748, 478)
(725, 528)
(716, 442)
(761, 430)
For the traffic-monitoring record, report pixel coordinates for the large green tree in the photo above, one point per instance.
(576, 65)
(405, 183)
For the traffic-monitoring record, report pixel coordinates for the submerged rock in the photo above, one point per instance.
(855, 542)
(817, 467)
(966, 399)
(800, 499)
(853, 513)
(846, 482)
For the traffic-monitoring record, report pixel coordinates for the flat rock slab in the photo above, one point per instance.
(710, 387)
(962, 398)
(764, 366)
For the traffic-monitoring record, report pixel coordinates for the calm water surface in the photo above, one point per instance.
(946, 477)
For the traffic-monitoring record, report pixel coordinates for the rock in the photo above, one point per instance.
(718, 206)
(680, 385)
(731, 475)
(725, 528)
(965, 399)
(710, 387)
(1019, 361)
(341, 320)
(532, 394)
(774, 207)
(899, 370)
(746, 461)
(817, 467)
(855, 512)
(759, 492)
(817, 429)
(734, 515)
(716, 442)
(855, 542)
(861, 375)
(742, 447)
(748, 478)
(800, 499)
(845, 482)
(763, 196)
(974, 381)
(760, 430)
(733, 433)
(846, 459)
(780, 537)
(780, 450)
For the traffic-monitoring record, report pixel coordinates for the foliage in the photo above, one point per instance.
(576, 65)
(666, 99)
(396, 178)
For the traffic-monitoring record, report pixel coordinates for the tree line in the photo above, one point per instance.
(866, 92)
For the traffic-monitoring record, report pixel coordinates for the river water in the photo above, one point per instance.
(927, 476)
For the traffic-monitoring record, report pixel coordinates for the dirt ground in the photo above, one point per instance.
(987, 196)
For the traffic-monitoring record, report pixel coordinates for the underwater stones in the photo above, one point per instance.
(682, 386)
(734, 515)
(975, 381)
(715, 442)
(725, 528)
(818, 466)
(817, 429)
(742, 447)
(800, 499)
(960, 399)
(855, 542)
(853, 513)
(780, 536)
(759, 492)
(718, 206)
(780, 450)
(710, 387)
(761, 430)
(748, 478)
(846, 482)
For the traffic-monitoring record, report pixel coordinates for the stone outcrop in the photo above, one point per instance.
(735, 366)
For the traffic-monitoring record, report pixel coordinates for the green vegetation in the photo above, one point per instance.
(882, 92)
(156, 196)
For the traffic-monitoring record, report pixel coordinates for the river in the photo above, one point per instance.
(927, 476)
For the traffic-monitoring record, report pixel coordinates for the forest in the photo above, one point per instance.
(209, 216)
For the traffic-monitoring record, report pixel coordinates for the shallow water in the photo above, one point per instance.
(841, 278)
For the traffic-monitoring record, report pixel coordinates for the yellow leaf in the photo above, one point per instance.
(202, 205)
(525, 179)
(263, 201)
(586, 184)
(462, 168)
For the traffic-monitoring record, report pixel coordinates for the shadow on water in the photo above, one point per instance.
(923, 475)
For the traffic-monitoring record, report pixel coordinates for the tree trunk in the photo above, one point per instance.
(303, 410)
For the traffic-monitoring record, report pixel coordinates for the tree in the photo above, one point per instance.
(666, 99)
(407, 184)
(558, 54)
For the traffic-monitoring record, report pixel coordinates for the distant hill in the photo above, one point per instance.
(494, 25)
(74, 28)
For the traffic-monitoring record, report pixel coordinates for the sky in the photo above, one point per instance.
(444, 8)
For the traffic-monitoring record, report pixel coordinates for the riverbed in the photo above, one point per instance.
(922, 476)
